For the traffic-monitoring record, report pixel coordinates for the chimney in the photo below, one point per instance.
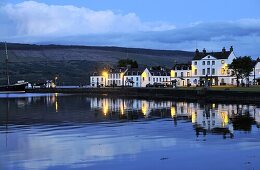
(204, 51)
(231, 48)
(223, 50)
(197, 51)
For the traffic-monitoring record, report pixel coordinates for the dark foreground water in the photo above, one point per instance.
(78, 132)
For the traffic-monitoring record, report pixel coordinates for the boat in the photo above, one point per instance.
(17, 87)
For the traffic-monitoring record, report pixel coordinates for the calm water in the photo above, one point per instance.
(57, 131)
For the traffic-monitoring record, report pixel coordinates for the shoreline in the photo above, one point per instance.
(207, 95)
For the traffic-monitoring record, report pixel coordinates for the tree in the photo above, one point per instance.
(125, 62)
(241, 68)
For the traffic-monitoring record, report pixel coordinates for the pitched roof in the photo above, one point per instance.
(217, 55)
(118, 70)
(159, 72)
(182, 67)
(134, 71)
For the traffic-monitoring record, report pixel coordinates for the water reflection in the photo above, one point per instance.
(55, 108)
(37, 131)
(206, 117)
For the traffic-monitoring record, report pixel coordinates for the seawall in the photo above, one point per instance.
(162, 93)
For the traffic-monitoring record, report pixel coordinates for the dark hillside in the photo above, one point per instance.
(73, 64)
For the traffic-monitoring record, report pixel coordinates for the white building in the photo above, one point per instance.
(133, 77)
(255, 74)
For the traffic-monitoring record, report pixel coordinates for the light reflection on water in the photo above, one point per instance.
(56, 131)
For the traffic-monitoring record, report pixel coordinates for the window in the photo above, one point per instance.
(222, 61)
(213, 62)
(203, 63)
(213, 71)
(203, 72)
(92, 79)
(195, 63)
(208, 71)
(153, 79)
(143, 78)
(136, 78)
(101, 78)
(195, 72)
(188, 74)
(156, 79)
(149, 78)
(97, 79)
(222, 71)
(208, 62)
(176, 74)
(160, 79)
(181, 74)
(132, 78)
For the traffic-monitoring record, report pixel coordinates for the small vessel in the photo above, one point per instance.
(19, 86)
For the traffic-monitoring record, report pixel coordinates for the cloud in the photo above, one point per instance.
(33, 22)
(34, 19)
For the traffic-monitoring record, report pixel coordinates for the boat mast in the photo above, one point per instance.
(6, 62)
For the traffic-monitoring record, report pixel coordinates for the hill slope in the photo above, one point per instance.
(73, 64)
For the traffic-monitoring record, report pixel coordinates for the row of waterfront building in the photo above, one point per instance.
(205, 67)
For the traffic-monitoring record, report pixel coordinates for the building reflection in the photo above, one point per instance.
(206, 118)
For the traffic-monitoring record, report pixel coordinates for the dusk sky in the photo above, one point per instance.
(157, 24)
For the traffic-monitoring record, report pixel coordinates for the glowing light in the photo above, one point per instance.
(193, 117)
(105, 107)
(56, 106)
(173, 111)
(105, 74)
(122, 109)
(145, 109)
(225, 119)
(172, 73)
(213, 105)
(144, 74)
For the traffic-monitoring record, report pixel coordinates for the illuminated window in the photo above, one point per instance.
(222, 61)
(188, 74)
(222, 71)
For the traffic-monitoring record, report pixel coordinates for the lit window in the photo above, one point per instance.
(188, 74)
(222, 71)
(222, 61)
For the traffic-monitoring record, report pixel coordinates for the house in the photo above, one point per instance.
(212, 67)
(255, 74)
(115, 76)
(181, 74)
(153, 76)
(133, 77)
(97, 80)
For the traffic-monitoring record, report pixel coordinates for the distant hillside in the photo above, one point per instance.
(73, 64)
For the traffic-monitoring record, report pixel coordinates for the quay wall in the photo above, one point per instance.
(162, 93)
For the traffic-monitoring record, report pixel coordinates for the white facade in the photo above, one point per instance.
(97, 81)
